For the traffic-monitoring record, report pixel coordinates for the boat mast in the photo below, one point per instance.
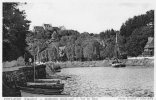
(34, 67)
(117, 48)
(34, 62)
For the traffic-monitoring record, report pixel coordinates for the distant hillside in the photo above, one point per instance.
(62, 44)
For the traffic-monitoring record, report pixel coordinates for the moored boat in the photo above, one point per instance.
(39, 90)
(118, 64)
(45, 87)
(48, 80)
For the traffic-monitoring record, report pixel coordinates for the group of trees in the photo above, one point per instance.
(134, 33)
(15, 28)
(84, 46)
(132, 38)
(18, 40)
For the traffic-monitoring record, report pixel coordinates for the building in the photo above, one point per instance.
(149, 47)
(38, 30)
(47, 27)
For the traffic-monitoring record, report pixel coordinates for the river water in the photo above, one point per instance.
(131, 81)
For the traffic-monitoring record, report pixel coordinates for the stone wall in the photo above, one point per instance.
(19, 77)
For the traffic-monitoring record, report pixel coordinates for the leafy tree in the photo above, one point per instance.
(109, 50)
(68, 33)
(135, 31)
(64, 40)
(48, 34)
(53, 54)
(15, 28)
(138, 40)
(78, 52)
(70, 52)
(91, 49)
(136, 22)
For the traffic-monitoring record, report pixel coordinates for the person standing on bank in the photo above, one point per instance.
(30, 61)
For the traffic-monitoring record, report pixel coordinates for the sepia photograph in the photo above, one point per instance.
(78, 48)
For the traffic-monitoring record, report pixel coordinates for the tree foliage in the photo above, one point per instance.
(138, 40)
(135, 32)
(137, 21)
(15, 28)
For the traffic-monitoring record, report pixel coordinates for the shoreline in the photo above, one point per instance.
(105, 63)
(45, 70)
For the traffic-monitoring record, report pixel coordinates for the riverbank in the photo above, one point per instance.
(22, 74)
(106, 63)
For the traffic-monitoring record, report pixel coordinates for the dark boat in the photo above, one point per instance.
(43, 86)
(46, 85)
(118, 64)
(41, 90)
(48, 80)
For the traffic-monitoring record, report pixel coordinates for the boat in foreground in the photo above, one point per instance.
(43, 86)
(40, 90)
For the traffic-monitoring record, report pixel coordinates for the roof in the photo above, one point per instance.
(47, 26)
(150, 43)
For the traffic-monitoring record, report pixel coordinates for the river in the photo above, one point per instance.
(136, 81)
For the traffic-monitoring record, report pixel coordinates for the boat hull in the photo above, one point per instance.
(40, 91)
(45, 85)
(27, 94)
(117, 65)
(48, 80)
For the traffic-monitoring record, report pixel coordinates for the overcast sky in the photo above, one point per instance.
(85, 15)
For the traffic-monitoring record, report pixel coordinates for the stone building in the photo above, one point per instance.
(149, 47)
(47, 27)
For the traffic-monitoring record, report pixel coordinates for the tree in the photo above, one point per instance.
(78, 52)
(138, 40)
(68, 33)
(15, 28)
(136, 22)
(135, 31)
(107, 34)
(91, 49)
(53, 54)
(70, 52)
(109, 50)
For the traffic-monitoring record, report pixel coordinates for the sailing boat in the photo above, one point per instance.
(42, 86)
(116, 63)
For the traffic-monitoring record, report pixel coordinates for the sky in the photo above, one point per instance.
(91, 16)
